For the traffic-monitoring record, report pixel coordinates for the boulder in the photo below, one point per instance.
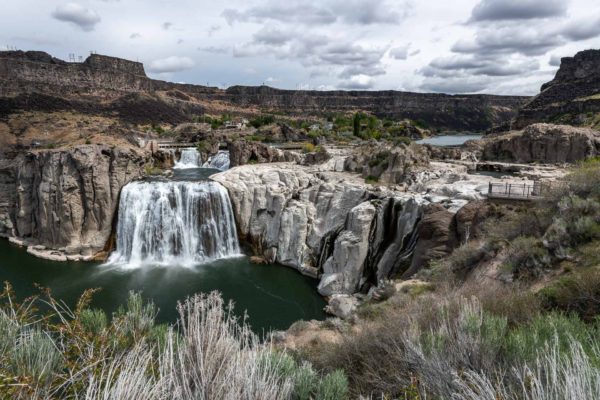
(342, 306)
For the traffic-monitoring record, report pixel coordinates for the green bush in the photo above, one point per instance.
(402, 141)
(371, 179)
(577, 293)
(261, 120)
(527, 257)
(93, 321)
(334, 386)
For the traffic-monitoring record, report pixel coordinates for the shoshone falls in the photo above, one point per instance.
(174, 237)
(174, 223)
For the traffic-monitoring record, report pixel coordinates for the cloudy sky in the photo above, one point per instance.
(458, 46)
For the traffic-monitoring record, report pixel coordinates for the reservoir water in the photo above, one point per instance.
(448, 140)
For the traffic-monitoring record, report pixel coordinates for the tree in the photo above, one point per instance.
(356, 124)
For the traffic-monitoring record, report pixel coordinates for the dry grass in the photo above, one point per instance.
(209, 355)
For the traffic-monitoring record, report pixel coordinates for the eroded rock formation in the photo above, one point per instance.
(572, 97)
(243, 152)
(386, 164)
(545, 143)
(323, 224)
(65, 199)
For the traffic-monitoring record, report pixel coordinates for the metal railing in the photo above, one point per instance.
(516, 191)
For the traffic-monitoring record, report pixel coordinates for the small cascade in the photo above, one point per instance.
(190, 158)
(219, 161)
(174, 223)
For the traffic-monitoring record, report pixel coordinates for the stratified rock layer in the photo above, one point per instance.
(571, 97)
(101, 84)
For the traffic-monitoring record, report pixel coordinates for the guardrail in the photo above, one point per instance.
(517, 191)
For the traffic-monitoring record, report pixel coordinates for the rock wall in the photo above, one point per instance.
(324, 224)
(25, 77)
(570, 96)
(436, 111)
(243, 152)
(386, 164)
(65, 200)
(545, 143)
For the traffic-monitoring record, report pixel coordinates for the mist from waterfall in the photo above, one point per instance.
(219, 161)
(190, 158)
(174, 223)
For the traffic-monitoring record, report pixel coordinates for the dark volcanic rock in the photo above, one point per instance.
(437, 237)
(545, 143)
(93, 85)
(65, 199)
(437, 111)
(387, 164)
(243, 152)
(570, 96)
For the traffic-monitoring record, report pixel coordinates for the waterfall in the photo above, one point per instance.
(219, 161)
(190, 158)
(174, 223)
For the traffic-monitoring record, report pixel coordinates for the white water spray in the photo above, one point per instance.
(174, 223)
(219, 161)
(190, 158)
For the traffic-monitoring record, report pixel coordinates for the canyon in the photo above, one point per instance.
(107, 85)
(352, 216)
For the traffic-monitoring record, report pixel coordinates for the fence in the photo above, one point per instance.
(517, 191)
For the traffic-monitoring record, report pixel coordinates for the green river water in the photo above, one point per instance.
(273, 295)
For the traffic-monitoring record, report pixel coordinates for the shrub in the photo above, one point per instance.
(93, 321)
(212, 355)
(308, 148)
(527, 257)
(466, 257)
(578, 293)
(334, 386)
(261, 120)
(402, 141)
(584, 180)
(371, 179)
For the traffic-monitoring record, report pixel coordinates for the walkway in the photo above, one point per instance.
(517, 191)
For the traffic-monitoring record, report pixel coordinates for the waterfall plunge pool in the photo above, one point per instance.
(273, 295)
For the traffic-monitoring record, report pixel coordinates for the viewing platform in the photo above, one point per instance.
(517, 191)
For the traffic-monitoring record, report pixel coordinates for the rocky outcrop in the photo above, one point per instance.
(324, 224)
(66, 200)
(101, 84)
(436, 234)
(243, 152)
(544, 143)
(572, 97)
(386, 164)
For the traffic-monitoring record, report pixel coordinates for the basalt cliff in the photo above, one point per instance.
(572, 97)
(62, 203)
(112, 86)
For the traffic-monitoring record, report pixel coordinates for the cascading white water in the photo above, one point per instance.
(219, 161)
(174, 223)
(190, 158)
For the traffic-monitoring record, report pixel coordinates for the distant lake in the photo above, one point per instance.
(448, 140)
